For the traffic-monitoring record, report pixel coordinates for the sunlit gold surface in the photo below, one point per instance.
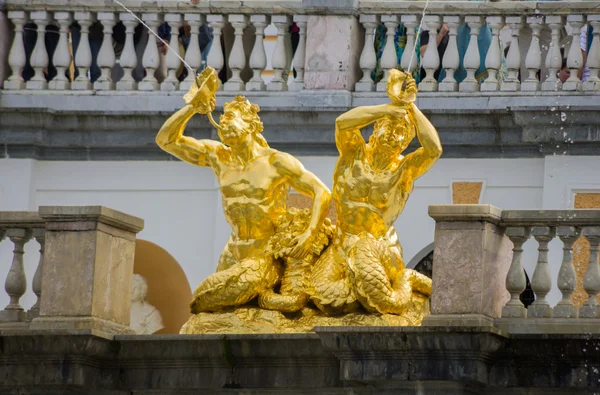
(363, 267)
(279, 259)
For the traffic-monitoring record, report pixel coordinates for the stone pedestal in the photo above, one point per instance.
(334, 43)
(472, 256)
(88, 267)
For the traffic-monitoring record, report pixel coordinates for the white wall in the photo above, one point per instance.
(182, 208)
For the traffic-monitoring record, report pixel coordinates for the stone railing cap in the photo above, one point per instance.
(573, 217)
(21, 219)
(101, 214)
(465, 212)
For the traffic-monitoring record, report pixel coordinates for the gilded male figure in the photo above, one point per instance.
(254, 180)
(371, 183)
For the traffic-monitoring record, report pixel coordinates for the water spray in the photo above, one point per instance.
(412, 55)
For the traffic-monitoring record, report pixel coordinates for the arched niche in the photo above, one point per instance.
(168, 287)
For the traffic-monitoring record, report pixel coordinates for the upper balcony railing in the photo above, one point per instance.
(90, 46)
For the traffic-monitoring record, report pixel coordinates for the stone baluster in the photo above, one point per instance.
(279, 60)
(515, 279)
(171, 82)
(451, 60)
(237, 57)
(389, 59)
(513, 59)
(83, 53)
(574, 58)
(541, 281)
(368, 57)
(258, 58)
(16, 283)
(17, 57)
(533, 60)
(215, 57)
(128, 59)
(62, 56)
(39, 56)
(431, 60)
(193, 56)
(472, 59)
(410, 22)
(288, 57)
(151, 58)
(106, 55)
(593, 58)
(591, 280)
(567, 278)
(554, 56)
(493, 59)
(36, 284)
(300, 56)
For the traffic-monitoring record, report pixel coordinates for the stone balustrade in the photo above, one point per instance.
(83, 279)
(478, 272)
(20, 228)
(539, 34)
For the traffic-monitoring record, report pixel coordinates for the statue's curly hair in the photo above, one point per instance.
(249, 112)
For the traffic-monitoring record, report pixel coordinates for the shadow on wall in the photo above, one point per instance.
(168, 287)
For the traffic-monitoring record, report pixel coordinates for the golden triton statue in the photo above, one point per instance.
(254, 180)
(279, 261)
(372, 181)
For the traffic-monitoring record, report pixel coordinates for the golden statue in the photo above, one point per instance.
(372, 181)
(279, 261)
(254, 180)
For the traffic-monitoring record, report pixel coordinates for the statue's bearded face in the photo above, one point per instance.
(232, 127)
(391, 135)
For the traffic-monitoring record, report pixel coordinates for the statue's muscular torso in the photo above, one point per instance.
(368, 199)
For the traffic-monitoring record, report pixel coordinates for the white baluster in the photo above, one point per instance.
(258, 58)
(472, 59)
(279, 60)
(541, 281)
(151, 58)
(39, 56)
(575, 58)
(431, 60)
(567, 278)
(16, 283)
(193, 56)
(215, 57)
(593, 58)
(128, 59)
(62, 56)
(515, 279)
(106, 55)
(83, 54)
(591, 281)
(554, 56)
(171, 83)
(237, 57)
(288, 56)
(368, 57)
(410, 22)
(451, 60)
(389, 59)
(16, 58)
(300, 56)
(36, 284)
(493, 59)
(533, 60)
(513, 59)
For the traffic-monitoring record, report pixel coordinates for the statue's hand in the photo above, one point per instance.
(301, 245)
(201, 95)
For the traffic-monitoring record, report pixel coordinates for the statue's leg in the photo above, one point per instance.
(237, 285)
(226, 260)
(329, 286)
(367, 263)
